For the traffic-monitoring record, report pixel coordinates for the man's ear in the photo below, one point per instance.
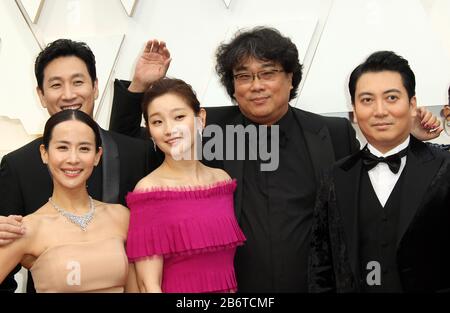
(44, 154)
(41, 97)
(353, 114)
(413, 104)
(290, 79)
(96, 89)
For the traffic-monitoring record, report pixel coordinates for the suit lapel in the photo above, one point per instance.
(110, 168)
(347, 184)
(421, 167)
(318, 142)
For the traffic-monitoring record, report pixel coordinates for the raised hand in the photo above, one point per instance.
(151, 65)
(10, 229)
(426, 126)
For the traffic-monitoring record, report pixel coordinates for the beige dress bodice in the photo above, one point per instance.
(92, 266)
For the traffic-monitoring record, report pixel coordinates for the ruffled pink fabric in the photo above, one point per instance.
(194, 228)
(206, 272)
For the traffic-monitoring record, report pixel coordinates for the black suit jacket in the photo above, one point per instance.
(423, 233)
(328, 138)
(26, 185)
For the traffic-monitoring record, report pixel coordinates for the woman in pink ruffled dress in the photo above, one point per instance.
(183, 232)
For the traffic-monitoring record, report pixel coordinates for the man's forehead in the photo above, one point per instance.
(384, 80)
(69, 65)
(248, 62)
(58, 76)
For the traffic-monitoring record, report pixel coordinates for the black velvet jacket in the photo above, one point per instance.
(423, 235)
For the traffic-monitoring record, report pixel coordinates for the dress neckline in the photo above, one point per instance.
(225, 187)
(182, 188)
(75, 243)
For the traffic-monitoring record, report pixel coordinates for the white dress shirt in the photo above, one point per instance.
(381, 177)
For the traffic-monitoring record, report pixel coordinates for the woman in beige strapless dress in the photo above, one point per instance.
(73, 243)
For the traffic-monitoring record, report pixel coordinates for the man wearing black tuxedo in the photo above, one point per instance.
(260, 70)
(66, 77)
(382, 218)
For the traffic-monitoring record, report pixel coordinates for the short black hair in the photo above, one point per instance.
(262, 43)
(64, 48)
(67, 115)
(384, 61)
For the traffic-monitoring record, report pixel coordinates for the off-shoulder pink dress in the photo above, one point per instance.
(194, 229)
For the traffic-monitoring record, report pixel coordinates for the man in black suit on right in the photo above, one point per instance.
(261, 72)
(382, 218)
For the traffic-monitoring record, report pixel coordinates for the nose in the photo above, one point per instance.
(68, 93)
(73, 156)
(169, 128)
(256, 83)
(380, 108)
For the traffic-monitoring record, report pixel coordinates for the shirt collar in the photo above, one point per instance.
(398, 148)
(285, 122)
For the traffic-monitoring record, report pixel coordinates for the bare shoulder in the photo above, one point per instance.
(115, 216)
(39, 220)
(150, 181)
(32, 224)
(117, 211)
(36, 225)
(217, 175)
(220, 174)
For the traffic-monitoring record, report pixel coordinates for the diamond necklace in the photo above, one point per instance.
(82, 220)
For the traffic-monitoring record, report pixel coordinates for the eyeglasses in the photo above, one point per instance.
(247, 78)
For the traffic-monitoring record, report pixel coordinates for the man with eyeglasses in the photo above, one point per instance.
(260, 70)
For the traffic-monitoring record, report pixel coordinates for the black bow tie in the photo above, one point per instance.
(393, 161)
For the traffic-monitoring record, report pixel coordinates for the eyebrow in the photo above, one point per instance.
(364, 94)
(385, 92)
(392, 90)
(171, 111)
(80, 143)
(54, 78)
(264, 65)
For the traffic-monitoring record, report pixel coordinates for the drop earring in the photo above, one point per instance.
(154, 144)
(200, 133)
(200, 129)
